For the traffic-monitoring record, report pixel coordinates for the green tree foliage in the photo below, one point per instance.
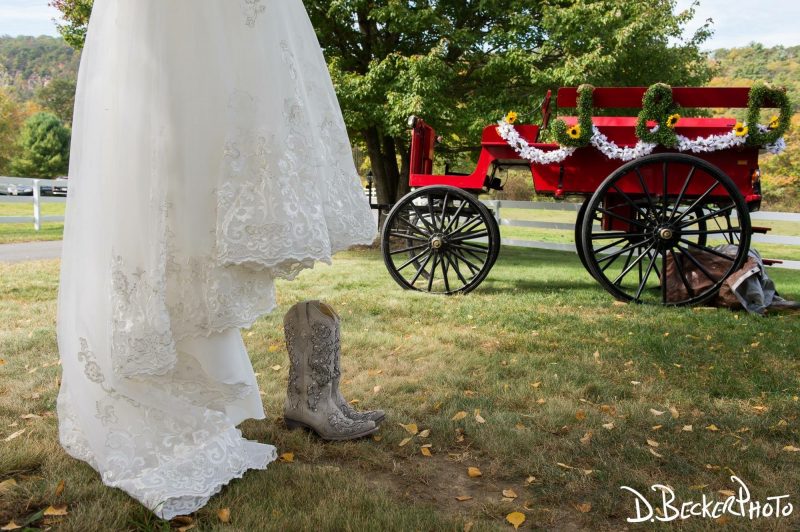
(463, 64)
(58, 96)
(43, 147)
(76, 15)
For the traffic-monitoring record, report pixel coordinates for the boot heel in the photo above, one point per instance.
(291, 424)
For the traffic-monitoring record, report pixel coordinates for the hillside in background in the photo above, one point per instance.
(29, 63)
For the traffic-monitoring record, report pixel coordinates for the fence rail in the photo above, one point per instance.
(498, 205)
(36, 199)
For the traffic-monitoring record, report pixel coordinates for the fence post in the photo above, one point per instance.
(497, 211)
(37, 211)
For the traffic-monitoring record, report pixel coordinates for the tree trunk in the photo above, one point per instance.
(390, 162)
(405, 167)
(382, 184)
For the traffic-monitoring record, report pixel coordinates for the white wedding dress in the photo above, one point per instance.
(209, 157)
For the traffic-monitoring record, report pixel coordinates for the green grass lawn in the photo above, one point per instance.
(579, 396)
(12, 233)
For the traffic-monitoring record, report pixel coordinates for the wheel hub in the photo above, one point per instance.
(666, 235)
(437, 242)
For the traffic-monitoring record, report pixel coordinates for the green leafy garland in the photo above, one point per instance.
(659, 106)
(579, 135)
(759, 94)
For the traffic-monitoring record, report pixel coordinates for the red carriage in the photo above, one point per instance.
(654, 228)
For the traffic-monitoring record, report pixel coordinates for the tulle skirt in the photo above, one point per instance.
(209, 158)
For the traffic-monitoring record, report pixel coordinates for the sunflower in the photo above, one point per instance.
(740, 129)
(574, 132)
(672, 120)
(774, 122)
(511, 117)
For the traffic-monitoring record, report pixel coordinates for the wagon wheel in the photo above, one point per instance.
(665, 247)
(578, 232)
(440, 239)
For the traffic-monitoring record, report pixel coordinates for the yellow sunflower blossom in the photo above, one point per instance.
(672, 120)
(740, 129)
(574, 132)
(774, 122)
(511, 117)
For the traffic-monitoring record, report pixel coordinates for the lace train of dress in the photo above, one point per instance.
(209, 158)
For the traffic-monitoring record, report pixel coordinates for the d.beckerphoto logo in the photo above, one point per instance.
(740, 505)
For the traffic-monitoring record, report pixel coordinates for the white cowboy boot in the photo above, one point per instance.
(372, 415)
(310, 340)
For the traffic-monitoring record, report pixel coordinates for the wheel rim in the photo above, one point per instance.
(647, 245)
(440, 240)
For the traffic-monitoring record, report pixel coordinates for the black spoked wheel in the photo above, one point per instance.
(667, 228)
(578, 230)
(440, 239)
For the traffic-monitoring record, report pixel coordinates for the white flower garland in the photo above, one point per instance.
(611, 150)
(510, 134)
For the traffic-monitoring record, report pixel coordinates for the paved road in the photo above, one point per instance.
(30, 251)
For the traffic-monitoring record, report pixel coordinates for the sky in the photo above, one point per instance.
(736, 22)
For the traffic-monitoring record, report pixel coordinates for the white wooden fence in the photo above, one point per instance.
(36, 200)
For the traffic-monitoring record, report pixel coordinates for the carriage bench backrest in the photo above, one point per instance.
(621, 129)
(631, 97)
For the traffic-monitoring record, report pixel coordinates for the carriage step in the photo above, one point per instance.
(762, 230)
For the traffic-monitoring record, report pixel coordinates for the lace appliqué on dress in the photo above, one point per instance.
(251, 10)
(141, 341)
(176, 457)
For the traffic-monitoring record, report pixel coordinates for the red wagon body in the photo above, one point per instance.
(621, 199)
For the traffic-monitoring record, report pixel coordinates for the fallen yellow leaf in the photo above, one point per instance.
(587, 438)
(11, 526)
(580, 415)
(608, 426)
(687, 428)
(657, 427)
(478, 416)
(656, 412)
(584, 508)
(516, 519)
(60, 488)
(7, 485)
(376, 389)
(51, 511)
(377, 437)
(674, 412)
(474, 472)
(273, 348)
(654, 453)
(540, 401)
(14, 435)
(791, 449)
(426, 451)
(459, 416)
(287, 457)
(712, 428)
(536, 384)
(462, 498)
(276, 367)
(652, 443)
(425, 433)
(529, 480)
(510, 493)
(224, 515)
(468, 526)
(404, 442)
(411, 428)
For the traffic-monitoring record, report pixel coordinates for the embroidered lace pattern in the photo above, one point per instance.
(188, 458)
